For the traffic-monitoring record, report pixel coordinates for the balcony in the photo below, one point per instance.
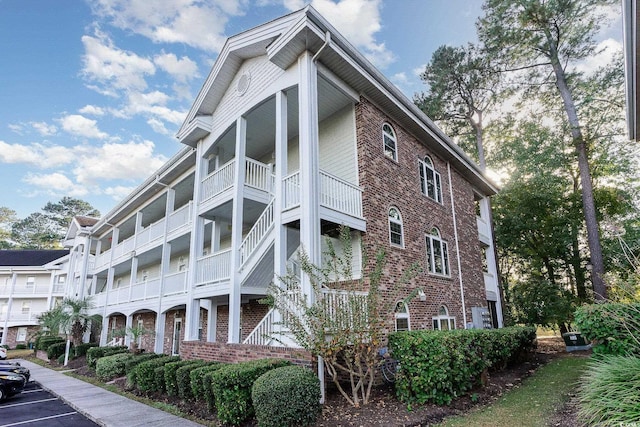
(147, 289)
(175, 283)
(18, 290)
(20, 317)
(214, 268)
(258, 176)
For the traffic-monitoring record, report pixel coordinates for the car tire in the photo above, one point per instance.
(3, 395)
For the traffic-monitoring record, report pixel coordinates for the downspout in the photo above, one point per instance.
(455, 234)
(327, 40)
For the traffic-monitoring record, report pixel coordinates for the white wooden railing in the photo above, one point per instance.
(291, 190)
(258, 175)
(117, 341)
(214, 267)
(119, 295)
(346, 308)
(150, 233)
(180, 217)
(261, 334)
(103, 259)
(340, 195)
(257, 233)
(218, 181)
(150, 288)
(124, 247)
(35, 289)
(175, 283)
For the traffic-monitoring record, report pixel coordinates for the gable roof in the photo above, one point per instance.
(283, 40)
(85, 221)
(27, 257)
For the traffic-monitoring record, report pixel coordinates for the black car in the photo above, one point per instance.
(7, 367)
(10, 384)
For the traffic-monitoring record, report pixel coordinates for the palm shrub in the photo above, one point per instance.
(113, 366)
(609, 392)
(287, 396)
(183, 379)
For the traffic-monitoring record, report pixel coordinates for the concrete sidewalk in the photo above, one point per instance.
(99, 405)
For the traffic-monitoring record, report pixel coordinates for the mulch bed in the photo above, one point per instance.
(385, 410)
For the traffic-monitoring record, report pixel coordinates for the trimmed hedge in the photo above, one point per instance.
(287, 396)
(145, 373)
(82, 349)
(608, 326)
(183, 379)
(113, 366)
(21, 346)
(196, 378)
(95, 353)
(437, 366)
(170, 378)
(130, 365)
(231, 386)
(43, 343)
(57, 349)
(158, 378)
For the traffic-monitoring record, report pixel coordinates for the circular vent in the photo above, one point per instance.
(243, 83)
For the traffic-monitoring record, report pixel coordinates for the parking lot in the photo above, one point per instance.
(37, 407)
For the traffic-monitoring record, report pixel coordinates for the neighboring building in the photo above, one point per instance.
(293, 134)
(31, 282)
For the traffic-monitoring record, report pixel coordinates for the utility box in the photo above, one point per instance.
(574, 341)
(481, 318)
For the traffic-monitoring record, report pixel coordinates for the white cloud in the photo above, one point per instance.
(118, 192)
(153, 104)
(182, 69)
(606, 50)
(158, 126)
(357, 20)
(113, 161)
(16, 128)
(92, 110)
(111, 69)
(55, 184)
(44, 129)
(78, 125)
(39, 155)
(193, 22)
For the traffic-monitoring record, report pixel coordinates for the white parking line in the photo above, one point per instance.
(38, 419)
(29, 403)
(31, 391)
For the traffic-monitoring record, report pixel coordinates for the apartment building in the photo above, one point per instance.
(31, 281)
(293, 134)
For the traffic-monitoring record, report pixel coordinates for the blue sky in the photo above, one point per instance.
(92, 93)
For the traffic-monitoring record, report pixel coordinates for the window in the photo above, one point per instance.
(443, 321)
(62, 279)
(389, 140)
(437, 254)
(395, 227)
(485, 260)
(402, 317)
(118, 283)
(430, 180)
(21, 334)
(31, 281)
(26, 307)
(145, 276)
(182, 264)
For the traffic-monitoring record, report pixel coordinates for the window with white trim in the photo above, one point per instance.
(182, 263)
(443, 321)
(402, 317)
(31, 281)
(396, 233)
(430, 182)
(437, 254)
(390, 142)
(145, 276)
(26, 307)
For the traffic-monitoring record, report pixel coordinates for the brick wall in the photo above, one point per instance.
(251, 314)
(12, 335)
(231, 353)
(389, 183)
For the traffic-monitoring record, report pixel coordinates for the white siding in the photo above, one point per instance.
(338, 145)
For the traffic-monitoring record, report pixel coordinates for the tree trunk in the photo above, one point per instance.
(588, 201)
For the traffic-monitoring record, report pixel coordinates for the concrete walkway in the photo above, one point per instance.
(99, 405)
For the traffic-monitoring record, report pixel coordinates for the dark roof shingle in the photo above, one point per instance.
(27, 257)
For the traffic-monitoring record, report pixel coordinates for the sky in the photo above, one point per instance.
(93, 92)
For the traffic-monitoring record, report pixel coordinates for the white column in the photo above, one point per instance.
(309, 165)
(128, 324)
(105, 330)
(159, 342)
(281, 158)
(5, 328)
(212, 322)
(134, 274)
(236, 231)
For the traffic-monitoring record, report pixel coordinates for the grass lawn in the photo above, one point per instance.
(19, 354)
(533, 402)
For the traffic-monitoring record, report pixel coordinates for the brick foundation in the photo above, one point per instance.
(232, 353)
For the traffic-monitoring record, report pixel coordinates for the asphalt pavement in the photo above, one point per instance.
(99, 405)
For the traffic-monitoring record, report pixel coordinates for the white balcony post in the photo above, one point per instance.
(212, 322)
(159, 332)
(5, 328)
(52, 283)
(280, 244)
(236, 233)
(104, 334)
(84, 269)
(215, 235)
(309, 167)
(134, 275)
(128, 324)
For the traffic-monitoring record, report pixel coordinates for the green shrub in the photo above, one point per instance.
(95, 353)
(145, 373)
(56, 350)
(196, 378)
(130, 365)
(109, 367)
(183, 379)
(231, 387)
(158, 378)
(609, 392)
(60, 359)
(81, 350)
(21, 346)
(287, 396)
(6, 347)
(437, 366)
(170, 379)
(614, 328)
(43, 342)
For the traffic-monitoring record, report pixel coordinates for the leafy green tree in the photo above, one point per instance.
(539, 302)
(7, 218)
(63, 211)
(77, 319)
(37, 231)
(547, 38)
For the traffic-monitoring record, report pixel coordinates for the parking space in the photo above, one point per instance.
(35, 407)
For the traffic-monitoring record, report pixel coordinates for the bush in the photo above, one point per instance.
(438, 366)
(609, 392)
(95, 353)
(21, 346)
(145, 373)
(611, 327)
(170, 379)
(158, 378)
(43, 342)
(60, 359)
(82, 349)
(287, 396)
(231, 387)
(196, 379)
(183, 379)
(56, 350)
(109, 367)
(130, 365)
